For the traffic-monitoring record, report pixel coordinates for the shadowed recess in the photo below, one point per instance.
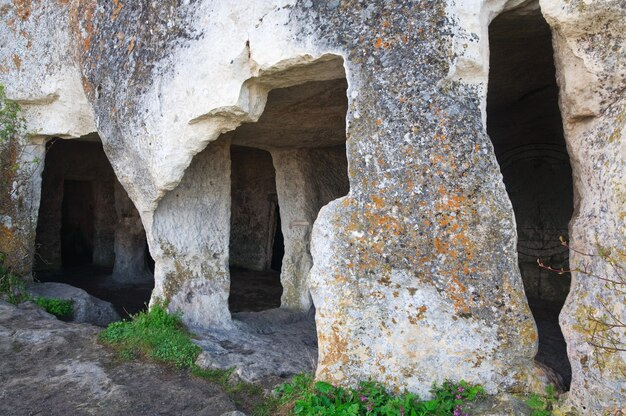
(525, 126)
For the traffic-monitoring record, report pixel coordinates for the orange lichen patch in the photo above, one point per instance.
(335, 351)
(387, 24)
(451, 202)
(418, 316)
(441, 247)
(63, 2)
(378, 201)
(460, 287)
(341, 279)
(17, 61)
(385, 280)
(379, 122)
(377, 295)
(459, 303)
(22, 8)
(116, 11)
(131, 44)
(378, 43)
(81, 22)
(86, 85)
(445, 220)
(386, 224)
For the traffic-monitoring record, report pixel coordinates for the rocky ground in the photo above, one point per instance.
(50, 367)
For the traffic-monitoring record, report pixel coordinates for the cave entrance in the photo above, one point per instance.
(284, 169)
(77, 224)
(89, 234)
(525, 126)
(256, 242)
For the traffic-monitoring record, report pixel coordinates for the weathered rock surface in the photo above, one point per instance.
(275, 342)
(502, 405)
(56, 368)
(590, 54)
(87, 308)
(414, 273)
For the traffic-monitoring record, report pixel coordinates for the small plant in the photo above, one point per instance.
(12, 286)
(61, 308)
(153, 334)
(542, 405)
(304, 397)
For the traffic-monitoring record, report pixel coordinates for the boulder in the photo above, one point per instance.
(87, 308)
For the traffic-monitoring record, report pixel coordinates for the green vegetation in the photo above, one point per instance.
(160, 336)
(153, 334)
(11, 286)
(14, 290)
(61, 308)
(302, 396)
(11, 122)
(542, 406)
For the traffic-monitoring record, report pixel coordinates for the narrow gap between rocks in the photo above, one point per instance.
(525, 126)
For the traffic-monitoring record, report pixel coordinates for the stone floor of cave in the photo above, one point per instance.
(254, 291)
(552, 347)
(127, 299)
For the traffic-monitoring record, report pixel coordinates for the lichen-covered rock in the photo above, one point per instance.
(414, 273)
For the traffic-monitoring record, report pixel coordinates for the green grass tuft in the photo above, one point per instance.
(153, 334)
(61, 308)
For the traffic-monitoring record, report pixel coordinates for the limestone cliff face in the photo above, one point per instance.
(414, 273)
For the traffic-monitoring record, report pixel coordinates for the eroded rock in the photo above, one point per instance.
(414, 272)
(87, 309)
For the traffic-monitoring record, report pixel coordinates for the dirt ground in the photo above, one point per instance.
(50, 367)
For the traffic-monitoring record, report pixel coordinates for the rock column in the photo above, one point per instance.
(190, 238)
